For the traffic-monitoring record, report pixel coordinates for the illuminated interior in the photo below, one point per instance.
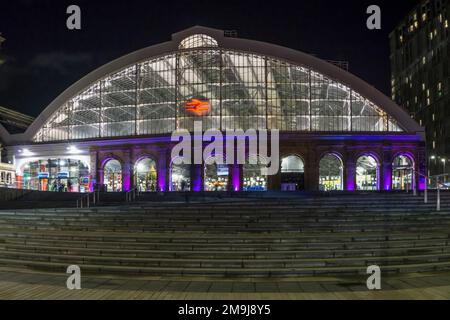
(331, 175)
(146, 175)
(402, 170)
(56, 175)
(367, 173)
(113, 176)
(292, 173)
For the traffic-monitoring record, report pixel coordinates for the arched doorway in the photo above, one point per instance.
(216, 177)
(145, 175)
(112, 176)
(367, 173)
(331, 177)
(292, 173)
(402, 173)
(254, 180)
(180, 177)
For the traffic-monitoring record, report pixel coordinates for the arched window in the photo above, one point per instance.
(180, 177)
(367, 173)
(402, 171)
(145, 175)
(215, 176)
(292, 173)
(113, 176)
(254, 180)
(331, 173)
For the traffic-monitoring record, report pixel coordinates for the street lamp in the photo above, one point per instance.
(444, 162)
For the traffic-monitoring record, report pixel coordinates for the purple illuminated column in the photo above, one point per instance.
(350, 175)
(162, 178)
(386, 172)
(236, 177)
(421, 168)
(197, 177)
(126, 176)
(387, 176)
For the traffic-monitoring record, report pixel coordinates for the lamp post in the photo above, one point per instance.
(444, 161)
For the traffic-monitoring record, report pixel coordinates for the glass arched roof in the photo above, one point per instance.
(244, 90)
(198, 41)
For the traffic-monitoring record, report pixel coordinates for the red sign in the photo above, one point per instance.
(198, 106)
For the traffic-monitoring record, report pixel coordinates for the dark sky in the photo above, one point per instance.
(44, 58)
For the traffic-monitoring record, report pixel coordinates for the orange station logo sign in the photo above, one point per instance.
(199, 106)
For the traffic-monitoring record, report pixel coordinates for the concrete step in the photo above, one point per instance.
(226, 272)
(175, 253)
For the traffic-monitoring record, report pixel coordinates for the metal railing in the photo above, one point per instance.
(131, 195)
(86, 202)
(428, 180)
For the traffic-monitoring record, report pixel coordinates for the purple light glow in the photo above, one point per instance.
(235, 173)
(350, 185)
(422, 183)
(197, 183)
(387, 179)
(126, 182)
(162, 180)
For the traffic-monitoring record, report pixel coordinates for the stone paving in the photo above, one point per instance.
(24, 284)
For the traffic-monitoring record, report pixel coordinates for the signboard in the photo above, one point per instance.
(63, 175)
(43, 175)
(199, 106)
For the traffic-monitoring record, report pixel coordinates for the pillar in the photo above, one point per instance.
(421, 168)
(386, 170)
(93, 169)
(197, 177)
(274, 182)
(236, 177)
(311, 171)
(127, 172)
(350, 173)
(163, 171)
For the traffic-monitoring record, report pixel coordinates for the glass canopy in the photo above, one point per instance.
(244, 90)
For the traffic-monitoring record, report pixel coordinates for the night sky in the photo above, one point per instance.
(44, 57)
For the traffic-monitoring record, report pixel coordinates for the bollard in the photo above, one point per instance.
(438, 206)
(426, 194)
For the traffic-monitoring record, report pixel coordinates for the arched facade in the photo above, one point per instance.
(128, 109)
(331, 173)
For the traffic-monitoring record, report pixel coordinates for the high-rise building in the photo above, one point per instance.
(420, 57)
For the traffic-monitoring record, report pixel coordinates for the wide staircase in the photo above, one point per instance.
(333, 235)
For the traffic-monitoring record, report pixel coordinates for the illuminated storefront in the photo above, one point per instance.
(180, 178)
(146, 175)
(113, 176)
(292, 173)
(336, 131)
(56, 175)
(367, 174)
(216, 177)
(402, 173)
(331, 173)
